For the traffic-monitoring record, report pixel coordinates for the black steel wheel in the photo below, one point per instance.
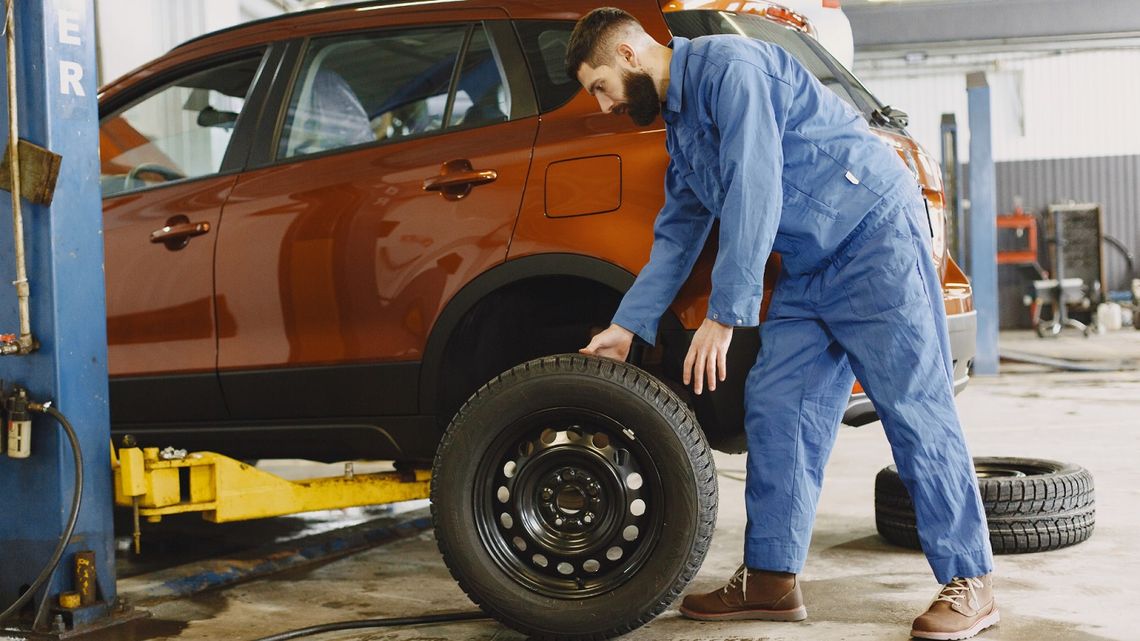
(1031, 505)
(574, 497)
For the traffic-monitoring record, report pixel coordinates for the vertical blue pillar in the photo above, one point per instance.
(983, 224)
(55, 50)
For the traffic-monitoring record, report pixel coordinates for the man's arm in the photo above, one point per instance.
(679, 234)
(749, 109)
(745, 105)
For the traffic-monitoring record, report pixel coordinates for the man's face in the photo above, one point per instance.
(622, 91)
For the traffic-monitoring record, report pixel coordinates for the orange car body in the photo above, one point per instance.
(327, 305)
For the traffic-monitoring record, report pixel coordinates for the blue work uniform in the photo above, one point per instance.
(758, 144)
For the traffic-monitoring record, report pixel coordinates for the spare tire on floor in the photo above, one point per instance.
(574, 497)
(1031, 505)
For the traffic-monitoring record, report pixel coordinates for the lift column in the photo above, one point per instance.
(983, 225)
(57, 110)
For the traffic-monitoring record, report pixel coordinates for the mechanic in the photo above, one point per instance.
(758, 145)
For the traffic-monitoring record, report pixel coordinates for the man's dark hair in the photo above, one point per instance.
(593, 38)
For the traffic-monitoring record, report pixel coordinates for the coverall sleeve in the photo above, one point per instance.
(679, 234)
(747, 110)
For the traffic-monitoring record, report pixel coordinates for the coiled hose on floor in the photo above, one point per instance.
(65, 538)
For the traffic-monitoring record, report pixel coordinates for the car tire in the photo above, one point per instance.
(574, 497)
(1031, 505)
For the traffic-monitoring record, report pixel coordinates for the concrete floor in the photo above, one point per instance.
(856, 585)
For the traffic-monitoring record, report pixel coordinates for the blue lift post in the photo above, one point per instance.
(57, 109)
(983, 225)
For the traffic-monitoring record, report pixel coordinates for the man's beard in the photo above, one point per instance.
(642, 102)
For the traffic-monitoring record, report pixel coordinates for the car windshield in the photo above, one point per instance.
(833, 75)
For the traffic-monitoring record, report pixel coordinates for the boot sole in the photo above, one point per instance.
(982, 624)
(795, 614)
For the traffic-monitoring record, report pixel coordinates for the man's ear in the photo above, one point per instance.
(627, 54)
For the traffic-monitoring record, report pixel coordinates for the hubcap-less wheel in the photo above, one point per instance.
(567, 503)
(573, 498)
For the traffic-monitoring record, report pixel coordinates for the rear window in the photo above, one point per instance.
(544, 44)
(692, 24)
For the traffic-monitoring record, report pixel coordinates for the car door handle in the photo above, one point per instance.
(177, 232)
(456, 179)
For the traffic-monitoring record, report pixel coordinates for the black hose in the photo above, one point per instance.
(64, 538)
(375, 623)
(1128, 258)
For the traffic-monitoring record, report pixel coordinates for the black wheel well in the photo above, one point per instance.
(523, 320)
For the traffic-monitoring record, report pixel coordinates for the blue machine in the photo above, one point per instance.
(57, 108)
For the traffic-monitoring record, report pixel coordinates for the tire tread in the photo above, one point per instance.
(664, 401)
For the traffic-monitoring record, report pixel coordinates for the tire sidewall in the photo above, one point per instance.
(474, 433)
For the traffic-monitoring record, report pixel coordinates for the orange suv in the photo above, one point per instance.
(326, 231)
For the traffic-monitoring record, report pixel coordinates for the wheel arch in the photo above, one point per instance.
(529, 270)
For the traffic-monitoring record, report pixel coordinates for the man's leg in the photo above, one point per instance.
(888, 314)
(795, 395)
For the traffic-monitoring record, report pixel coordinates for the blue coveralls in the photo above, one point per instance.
(759, 144)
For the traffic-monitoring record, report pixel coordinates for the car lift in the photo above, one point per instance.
(153, 483)
(55, 358)
(57, 560)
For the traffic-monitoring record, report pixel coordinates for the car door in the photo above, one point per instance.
(168, 155)
(395, 177)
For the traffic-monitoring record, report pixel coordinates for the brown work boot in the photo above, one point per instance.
(750, 594)
(962, 609)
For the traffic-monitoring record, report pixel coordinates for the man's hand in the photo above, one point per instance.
(613, 342)
(708, 355)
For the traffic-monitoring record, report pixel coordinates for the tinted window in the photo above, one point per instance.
(691, 24)
(394, 85)
(481, 97)
(179, 131)
(544, 44)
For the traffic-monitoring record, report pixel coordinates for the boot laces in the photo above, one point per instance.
(956, 591)
(741, 577)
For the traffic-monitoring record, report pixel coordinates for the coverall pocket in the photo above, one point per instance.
(885, 286)
(796, 200)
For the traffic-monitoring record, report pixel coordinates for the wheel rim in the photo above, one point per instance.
(568, 502)
(1007, 470)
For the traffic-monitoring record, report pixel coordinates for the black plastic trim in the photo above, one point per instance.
(375, 438)
(369, 389)
(505, 42)
(272, 118)
(161, 399)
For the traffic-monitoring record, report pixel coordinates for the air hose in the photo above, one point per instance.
(446, 617)
(65, 538)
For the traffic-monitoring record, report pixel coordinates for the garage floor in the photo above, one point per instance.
(856, 586)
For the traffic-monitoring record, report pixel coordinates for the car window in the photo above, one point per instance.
(544, 45)
(179, 131)
(393, 85)
(691, 24)
(481, 96)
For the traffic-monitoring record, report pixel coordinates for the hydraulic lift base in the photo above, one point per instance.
(156, 484)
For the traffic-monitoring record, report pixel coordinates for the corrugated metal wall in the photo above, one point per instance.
(1111, 181)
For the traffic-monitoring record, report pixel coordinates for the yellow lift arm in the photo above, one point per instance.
(224, 489)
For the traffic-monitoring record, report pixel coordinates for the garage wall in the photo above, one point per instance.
(1065, 125)
(132, 32)
(1075, 104)
(1113, 182)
